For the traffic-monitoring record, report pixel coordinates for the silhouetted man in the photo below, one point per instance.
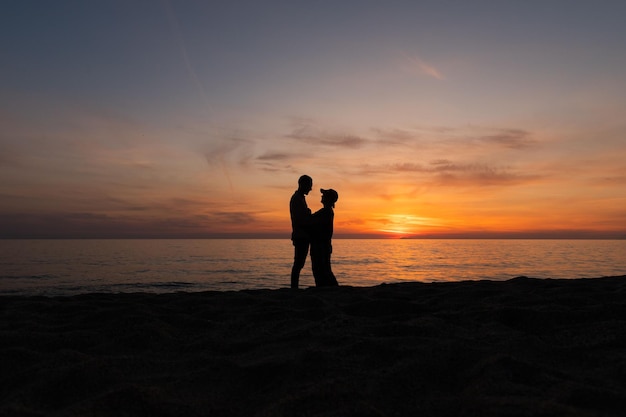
(321, 240)
(300, 223)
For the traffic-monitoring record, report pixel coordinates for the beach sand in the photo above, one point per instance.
(523, 347)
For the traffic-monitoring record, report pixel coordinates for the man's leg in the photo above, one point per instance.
(301, 250)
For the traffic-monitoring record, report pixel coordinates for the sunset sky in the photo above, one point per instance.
(167, 118)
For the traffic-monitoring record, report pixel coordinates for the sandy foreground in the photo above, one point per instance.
(522, 347)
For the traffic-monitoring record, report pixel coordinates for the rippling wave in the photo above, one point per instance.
(66, 267)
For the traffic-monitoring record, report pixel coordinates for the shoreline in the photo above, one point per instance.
(58, 292)
(524, 346)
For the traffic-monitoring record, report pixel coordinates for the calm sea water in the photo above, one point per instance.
(67, 267)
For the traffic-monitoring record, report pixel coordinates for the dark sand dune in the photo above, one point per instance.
(523, 347)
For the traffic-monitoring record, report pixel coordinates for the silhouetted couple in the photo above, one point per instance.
(314, 230)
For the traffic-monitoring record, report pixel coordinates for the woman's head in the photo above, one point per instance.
(329, 197)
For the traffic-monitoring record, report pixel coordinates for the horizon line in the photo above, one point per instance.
(451, 236)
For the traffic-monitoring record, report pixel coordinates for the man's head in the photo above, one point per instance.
(305, 184)
(329, 197)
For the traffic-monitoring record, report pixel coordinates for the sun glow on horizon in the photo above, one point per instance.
(401, 225)
(395, 234)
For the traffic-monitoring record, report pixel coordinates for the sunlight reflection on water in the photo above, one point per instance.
(64, 267)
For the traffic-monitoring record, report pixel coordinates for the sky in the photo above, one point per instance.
(192, 119)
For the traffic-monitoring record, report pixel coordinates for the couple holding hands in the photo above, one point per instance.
(314, 230)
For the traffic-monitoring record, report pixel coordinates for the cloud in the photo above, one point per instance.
(448, 173)
(311, 134)
(103, 225)
(233, 217)
(274, 156)
(397, 143)
(395, 137)
(477, 137)
(455, 137)
(278, 161)
(217, 152)
(509, 138)
(69, 141)
(474, 174)
(479, 175)
(610, 181)
(415, 64)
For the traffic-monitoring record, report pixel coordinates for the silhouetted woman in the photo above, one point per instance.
(321, 240)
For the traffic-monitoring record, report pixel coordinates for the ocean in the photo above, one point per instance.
(69, 267)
